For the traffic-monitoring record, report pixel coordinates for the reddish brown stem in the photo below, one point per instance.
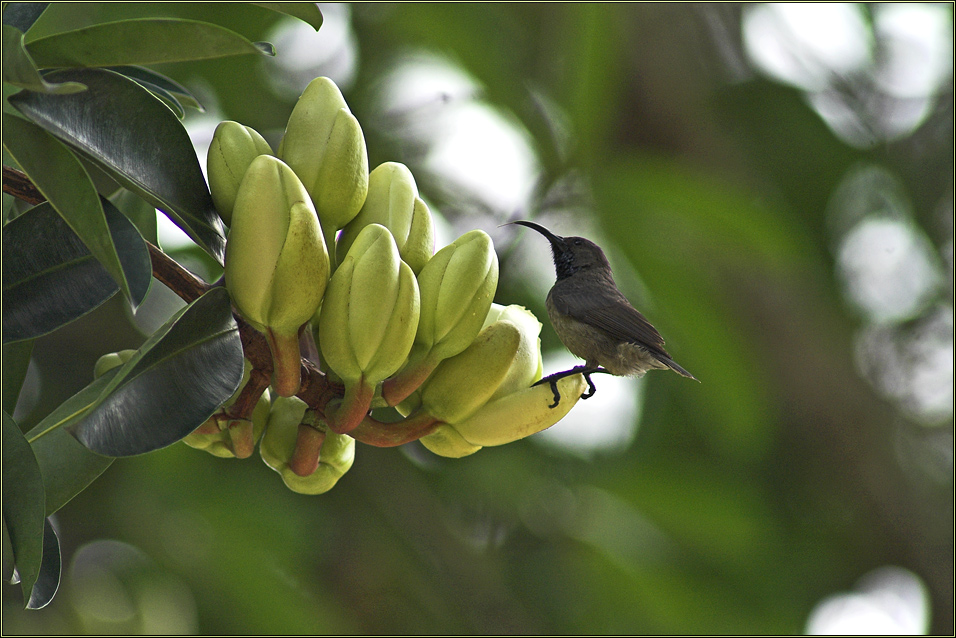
(242, 437)
(397, 389)
(308, 447)
(186, 285)
(248, 398)
(17, 183)
(354, 407)
(378, 434)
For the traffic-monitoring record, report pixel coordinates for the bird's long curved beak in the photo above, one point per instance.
(554, 239)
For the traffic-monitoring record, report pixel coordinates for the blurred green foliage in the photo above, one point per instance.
(742, 502)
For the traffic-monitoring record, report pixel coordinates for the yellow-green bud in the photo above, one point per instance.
(394, 203)
(457, 287)
(232, 150)
(527, 365)
(463, 383)
(277, 266)
(368, 321)
(445, 441)
(324, 145)
(286, 432)
(520, 414)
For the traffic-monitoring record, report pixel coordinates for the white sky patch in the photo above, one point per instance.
(487, 154)
(869, 82)
(801, 44)
(466, 142)
(889, 269)
(171, 236)
(424, 79)
(921, 37)
(303, 54)
(888, 601)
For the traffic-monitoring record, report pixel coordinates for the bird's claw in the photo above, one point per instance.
(591, 388)
(552, 380)
(554, 389)
(557, 395)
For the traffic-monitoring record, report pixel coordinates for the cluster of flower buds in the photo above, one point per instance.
(316, 242)
(457, 287)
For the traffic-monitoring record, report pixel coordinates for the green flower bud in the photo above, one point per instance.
(394, 203)
(527, 365)
(112, 360)
(519, 414)
(445, 441)
(324, 145)
(457, 287)
(463, 383)
(277, 266)
(368, 321)
(232, 150)
(332, 454)
(227, 437)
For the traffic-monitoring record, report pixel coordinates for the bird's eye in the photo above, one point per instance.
(577, 242)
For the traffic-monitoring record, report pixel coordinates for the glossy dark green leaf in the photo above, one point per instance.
(131, 134)
(23, 503)
(16, 208)
(20, 70)
(102, 180)
(166, 98)
(152, 79)
(48, 580)
(175, 381)
(60, 176)
(139, 41)
(66, 466)
(22, 15)
(138, 211)
(15, 360)
(49, 276)
(306, 11)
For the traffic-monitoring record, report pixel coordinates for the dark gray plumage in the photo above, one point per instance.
(594, 320)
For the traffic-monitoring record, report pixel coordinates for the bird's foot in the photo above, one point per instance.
(553, 379)
(591, 388)
(587, 372)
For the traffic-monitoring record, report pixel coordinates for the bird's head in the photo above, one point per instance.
(571, 254)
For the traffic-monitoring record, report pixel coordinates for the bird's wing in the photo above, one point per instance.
(611, 313)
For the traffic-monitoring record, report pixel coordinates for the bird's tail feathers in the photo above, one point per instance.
(670, 363)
